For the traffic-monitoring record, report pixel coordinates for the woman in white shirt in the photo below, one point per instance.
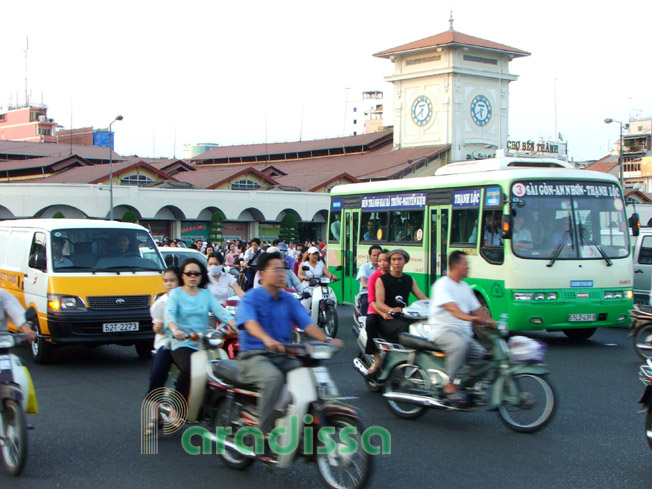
(316, 268)
(220, 283)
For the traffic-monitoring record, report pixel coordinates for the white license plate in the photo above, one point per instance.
(581, 317)
(117, 327)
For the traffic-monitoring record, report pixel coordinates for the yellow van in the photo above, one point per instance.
(91, 282)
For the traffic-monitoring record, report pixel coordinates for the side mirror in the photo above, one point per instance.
(399, 300)
(635, 224)
(507, 227)
(37, 261)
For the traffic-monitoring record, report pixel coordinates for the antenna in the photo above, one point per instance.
(556, 132)
(70, 134)
(26, 92)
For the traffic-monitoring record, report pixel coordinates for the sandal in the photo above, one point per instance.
(372, 370)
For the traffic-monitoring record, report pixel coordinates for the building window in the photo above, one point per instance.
(245, 184)
(355, 121)
(355, 109)
(137, 180)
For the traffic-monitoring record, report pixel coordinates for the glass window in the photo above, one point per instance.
(465, 227)
(491, 247)
(38, 245)
(245, 184)
(334, 227)
(645, 255)
(373, 226)
(406, 226)
(137, 180)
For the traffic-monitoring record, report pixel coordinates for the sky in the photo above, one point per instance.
(259, 71)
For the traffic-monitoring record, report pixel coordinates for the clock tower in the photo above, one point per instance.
(452, 88)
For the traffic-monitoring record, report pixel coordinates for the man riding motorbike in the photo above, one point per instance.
(265, 318)
(389, 287)
(453, 309)
(9, 306)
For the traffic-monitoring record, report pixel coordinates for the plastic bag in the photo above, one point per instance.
(524, 349)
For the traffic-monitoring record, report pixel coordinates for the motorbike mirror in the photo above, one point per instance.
(399, 300)
(305, 268)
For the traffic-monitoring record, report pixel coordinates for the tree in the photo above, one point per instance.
(129, 216)
(58, 215)
(215, 231)
(289, 225)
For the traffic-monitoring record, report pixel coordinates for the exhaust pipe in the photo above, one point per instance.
(360, 368)
(415, 399)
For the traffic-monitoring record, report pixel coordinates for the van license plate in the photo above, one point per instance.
(576, 318)
(117, 327)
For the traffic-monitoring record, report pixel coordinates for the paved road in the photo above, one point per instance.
(87, 434)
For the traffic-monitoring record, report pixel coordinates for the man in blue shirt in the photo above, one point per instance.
(265, 317)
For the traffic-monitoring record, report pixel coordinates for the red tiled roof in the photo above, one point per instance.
(251, 150)
(604, 165)
(38, 162)
(214, 176)
(17, 149)
(447, 38)
(95, 173)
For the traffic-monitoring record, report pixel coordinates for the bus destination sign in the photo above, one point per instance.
(397, 201)
(559, 189)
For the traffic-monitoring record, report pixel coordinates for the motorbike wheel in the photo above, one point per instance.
(648, 426)
(14, 447)
(230, 457)
(643, 341)
(528, 403)
(41, 349)
(404, 378)
(372, 385)
(341, 469)
(328, 320)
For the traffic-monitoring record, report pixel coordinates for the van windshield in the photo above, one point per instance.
(106, 250)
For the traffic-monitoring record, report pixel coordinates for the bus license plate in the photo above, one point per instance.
(117, 327)
(576, 318)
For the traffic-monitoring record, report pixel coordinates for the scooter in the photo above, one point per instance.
(17, 397)
(323, 306)
(416, 314)
(511, 381)
(310, 402)
(641, 330)
(645, 375)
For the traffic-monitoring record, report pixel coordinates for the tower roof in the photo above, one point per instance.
(450, 38)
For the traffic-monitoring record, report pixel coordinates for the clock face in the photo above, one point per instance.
(481, 110)
(421, 111)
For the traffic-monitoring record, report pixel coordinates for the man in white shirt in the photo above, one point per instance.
(364, 273)
(453, 310)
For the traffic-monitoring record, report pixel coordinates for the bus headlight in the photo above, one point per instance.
(522, 296)
(539, 296)
(618, 294)
(552, 296)
(608, 295)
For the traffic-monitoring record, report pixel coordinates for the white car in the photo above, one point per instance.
(176, 256)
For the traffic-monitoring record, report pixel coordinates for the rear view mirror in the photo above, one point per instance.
(635, 224)
(37, 261)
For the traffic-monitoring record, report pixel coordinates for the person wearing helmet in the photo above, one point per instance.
(316, 267)
(293, 281)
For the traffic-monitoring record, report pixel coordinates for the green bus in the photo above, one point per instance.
(548, 244)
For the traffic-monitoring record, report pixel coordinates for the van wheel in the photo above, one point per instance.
(41, 349)
(144, 349)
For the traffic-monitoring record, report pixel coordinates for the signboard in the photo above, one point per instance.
(466, 198)
(336, 205)
(234, 230)
(194, 230)
(394, 202)
(566, 189)
(268, 232)
(492, 197)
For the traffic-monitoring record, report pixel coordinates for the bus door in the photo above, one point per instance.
(438, 244)
(350, 286)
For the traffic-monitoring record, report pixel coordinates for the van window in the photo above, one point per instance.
(645, 254)
(38, 245)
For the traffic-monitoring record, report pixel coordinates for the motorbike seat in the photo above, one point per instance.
(227, 370)
(417, 343)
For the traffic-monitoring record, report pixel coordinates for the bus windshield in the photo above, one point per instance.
(104, 250)
(568, 220)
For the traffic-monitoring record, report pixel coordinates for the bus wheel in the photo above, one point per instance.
(580, 333)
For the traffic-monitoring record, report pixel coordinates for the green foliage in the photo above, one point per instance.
(289, 225)
(58, 215)
(215, 231)
(129, 216)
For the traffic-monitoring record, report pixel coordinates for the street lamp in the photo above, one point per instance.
(117, 118)
(609, 120)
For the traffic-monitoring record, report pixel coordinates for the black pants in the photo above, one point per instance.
(372, 325)
(160, 369)
(391, 328)
(250, 273)
(181, 357)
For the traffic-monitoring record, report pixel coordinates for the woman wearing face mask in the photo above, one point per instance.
(220, 283)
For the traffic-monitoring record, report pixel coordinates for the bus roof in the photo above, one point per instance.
(50, 224)
(472, 178)
(494, 164)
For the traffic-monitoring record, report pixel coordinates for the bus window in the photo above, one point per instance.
(406, 226)
(465, 227)
(374, 226)
(491, 248)
(334, 227)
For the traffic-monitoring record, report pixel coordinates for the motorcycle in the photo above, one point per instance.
(641, 330)
(416, 315)
(310, 401)
(17, 397)
(323, 305)
(645, 375)
(511, 381)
